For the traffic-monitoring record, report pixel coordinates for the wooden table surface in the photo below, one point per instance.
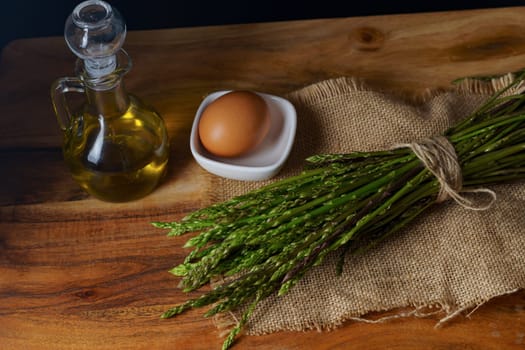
(77, 273)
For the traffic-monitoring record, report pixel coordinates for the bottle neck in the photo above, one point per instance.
(108, 102)
(106, 95)
(101, 66)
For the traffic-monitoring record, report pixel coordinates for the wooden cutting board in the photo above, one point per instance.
(77, 273)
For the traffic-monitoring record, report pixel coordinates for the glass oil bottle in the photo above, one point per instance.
(116, 147)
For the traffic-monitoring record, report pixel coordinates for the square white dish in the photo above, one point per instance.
(267, 159)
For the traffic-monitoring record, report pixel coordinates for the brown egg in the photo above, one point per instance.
(234, 124)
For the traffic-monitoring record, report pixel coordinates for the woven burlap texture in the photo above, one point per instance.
(451, 258)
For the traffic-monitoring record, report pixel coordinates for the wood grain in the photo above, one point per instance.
(77, 273)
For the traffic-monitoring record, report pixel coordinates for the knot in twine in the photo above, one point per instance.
(440, 158)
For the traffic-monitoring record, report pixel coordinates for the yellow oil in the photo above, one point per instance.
(119, 157)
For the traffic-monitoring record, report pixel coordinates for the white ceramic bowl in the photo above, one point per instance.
(266, 159)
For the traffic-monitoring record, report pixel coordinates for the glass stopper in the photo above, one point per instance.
(95, 32)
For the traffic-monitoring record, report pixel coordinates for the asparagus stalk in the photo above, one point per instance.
(269, 238)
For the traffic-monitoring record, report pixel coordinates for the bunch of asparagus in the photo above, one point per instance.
(268, 239)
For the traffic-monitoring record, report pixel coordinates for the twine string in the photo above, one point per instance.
(440, 158)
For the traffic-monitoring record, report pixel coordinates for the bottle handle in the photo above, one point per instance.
(58, 96)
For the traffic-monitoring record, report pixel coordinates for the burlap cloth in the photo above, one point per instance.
(451, 259)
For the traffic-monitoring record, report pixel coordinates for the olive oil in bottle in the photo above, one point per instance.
(119, 158)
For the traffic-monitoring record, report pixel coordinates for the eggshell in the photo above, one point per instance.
(234, 124)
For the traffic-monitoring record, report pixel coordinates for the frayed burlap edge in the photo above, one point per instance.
(224, 322)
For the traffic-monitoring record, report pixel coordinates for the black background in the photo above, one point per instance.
(32, 18)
